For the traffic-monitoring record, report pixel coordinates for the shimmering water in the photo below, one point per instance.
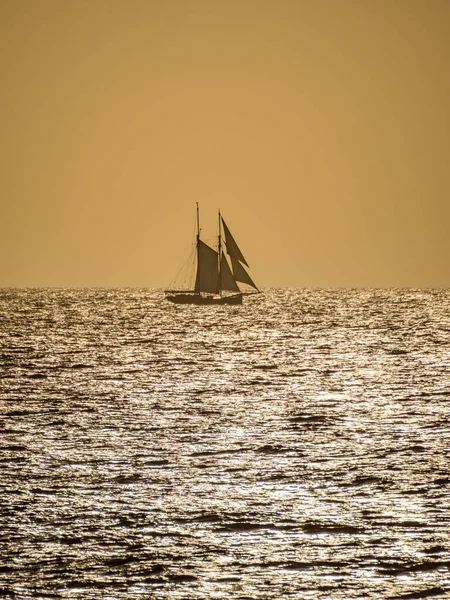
(296, 446)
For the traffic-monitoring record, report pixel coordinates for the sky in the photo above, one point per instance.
(320, 128)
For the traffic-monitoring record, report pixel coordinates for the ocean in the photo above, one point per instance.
(297, 446)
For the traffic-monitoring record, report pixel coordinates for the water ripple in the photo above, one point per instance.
(297, 446)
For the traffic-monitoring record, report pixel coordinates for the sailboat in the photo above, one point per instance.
(218, 272)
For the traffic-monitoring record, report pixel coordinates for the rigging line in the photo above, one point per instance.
(188, 260)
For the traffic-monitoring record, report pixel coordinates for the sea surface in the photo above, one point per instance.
(297, 446)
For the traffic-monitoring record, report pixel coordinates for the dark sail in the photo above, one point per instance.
(207, 279)
(227, 281)
(232, 247)
(240, 274)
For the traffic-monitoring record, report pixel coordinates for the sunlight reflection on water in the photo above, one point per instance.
(297, 445)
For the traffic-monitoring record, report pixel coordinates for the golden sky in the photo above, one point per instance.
(320, 128)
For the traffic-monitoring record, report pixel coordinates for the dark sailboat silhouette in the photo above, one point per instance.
(216, 282)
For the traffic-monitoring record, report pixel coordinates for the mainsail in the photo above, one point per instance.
(232, 247)
(207, 279)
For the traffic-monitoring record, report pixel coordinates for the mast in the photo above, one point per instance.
(198, 223)
(219, 257)
(198, 243)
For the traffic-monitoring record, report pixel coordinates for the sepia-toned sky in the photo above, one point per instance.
(320, 128)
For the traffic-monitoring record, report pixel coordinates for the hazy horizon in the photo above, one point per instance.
(320, 129)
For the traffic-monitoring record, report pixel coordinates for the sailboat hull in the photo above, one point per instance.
(198, 299)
